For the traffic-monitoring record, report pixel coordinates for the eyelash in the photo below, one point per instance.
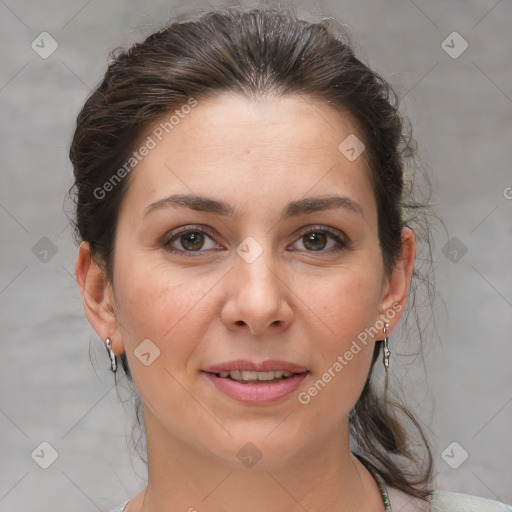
(335, 235)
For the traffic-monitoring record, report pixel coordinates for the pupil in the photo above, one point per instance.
(197, 240)
(315, 237)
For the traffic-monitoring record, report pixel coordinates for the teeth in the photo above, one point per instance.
(248, 376)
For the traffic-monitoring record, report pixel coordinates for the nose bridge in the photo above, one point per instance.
(257, 295)
(256, 266)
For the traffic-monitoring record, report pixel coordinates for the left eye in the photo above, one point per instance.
(316, 240)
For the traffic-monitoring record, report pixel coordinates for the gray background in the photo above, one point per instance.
(461, 110)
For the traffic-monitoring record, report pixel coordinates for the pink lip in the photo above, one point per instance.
(249, 366)
(257, 393)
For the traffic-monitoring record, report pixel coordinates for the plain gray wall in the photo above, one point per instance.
(461, 110)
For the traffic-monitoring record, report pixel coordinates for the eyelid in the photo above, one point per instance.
(319, 227)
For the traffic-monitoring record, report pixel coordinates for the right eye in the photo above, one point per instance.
(187, 240)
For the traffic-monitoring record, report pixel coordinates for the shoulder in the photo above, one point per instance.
(444, 501)
(402, 502)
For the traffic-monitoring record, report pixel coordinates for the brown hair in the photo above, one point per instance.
(255, 53)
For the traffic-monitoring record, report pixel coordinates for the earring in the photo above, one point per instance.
(111, 355)
(387, 353)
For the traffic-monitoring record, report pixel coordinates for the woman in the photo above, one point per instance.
(245, 252)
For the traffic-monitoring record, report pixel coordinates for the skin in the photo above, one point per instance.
(291, 303)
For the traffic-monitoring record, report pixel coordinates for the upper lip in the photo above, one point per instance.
(250, 366)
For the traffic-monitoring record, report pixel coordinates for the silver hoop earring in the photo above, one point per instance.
(387, 353)
(111, 355)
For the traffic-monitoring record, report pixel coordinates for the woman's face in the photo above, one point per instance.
(271, 274)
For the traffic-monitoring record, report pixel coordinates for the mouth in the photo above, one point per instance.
(250, 377)
(256, 388)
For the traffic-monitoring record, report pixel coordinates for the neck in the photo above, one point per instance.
(323, 476)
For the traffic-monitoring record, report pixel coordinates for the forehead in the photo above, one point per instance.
(233, 125)
(271, 147)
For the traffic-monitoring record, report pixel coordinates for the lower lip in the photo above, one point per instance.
(258, 393)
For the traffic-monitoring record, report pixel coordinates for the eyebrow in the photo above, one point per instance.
(293, 209)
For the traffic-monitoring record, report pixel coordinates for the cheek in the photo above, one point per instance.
(346, 306)
(347, 301)
(343, 352)
(164, 311)
(154, 304)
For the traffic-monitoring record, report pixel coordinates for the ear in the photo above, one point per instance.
(397, 284)
(98, 297)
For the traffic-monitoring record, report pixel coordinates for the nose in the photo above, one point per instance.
(258, 298)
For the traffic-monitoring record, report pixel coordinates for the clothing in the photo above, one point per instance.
(396, 500)
(441, 501)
